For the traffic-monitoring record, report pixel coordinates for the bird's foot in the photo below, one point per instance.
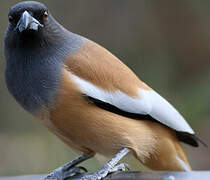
(105, 170)
(70, 169)
(63, 173)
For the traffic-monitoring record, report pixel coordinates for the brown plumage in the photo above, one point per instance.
(88, 97)
(90, 129)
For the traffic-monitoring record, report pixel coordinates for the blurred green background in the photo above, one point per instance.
(166, 43)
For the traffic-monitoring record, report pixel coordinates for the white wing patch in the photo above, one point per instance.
(164, 112)
(149, 102)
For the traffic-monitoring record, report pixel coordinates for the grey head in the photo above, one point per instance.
(26, 22)
(31, 24)
(35, 47)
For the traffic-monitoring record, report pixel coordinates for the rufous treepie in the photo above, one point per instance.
(88, 97)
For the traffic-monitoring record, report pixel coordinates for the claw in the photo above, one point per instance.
(62, 173)
(74, 171)
(70, 169)
(120, 167)
(83, 169)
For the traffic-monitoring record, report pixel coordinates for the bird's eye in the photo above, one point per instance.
(11, 20)
(46, 14)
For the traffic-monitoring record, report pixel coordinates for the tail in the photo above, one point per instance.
(168, 154)
(183, 164)
(190, 139)
(181, 157)
(168, 157)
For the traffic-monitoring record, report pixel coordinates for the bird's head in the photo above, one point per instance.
(30, 23)
(27, 16)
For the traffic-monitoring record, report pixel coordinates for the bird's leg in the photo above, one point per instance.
(111, 166)
(70, 169)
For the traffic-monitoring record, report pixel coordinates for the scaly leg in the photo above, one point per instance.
(111, 166)
(70, 169)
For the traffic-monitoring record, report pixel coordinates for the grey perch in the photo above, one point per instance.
(131, 175)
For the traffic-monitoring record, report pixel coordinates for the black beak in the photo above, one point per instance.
(28, 22)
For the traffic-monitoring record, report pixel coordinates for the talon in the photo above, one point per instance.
(120, 167)
(127, 166)
(74, 171)
(83, 169)
(70, 169)
(63, 173)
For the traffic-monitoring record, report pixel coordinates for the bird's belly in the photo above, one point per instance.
(88, 130)
(87, 127)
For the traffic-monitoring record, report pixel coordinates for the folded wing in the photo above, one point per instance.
(148, 103)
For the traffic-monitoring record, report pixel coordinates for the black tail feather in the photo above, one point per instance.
(201, 141)
(190, 139)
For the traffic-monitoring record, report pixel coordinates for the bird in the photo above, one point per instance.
(89, 98)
